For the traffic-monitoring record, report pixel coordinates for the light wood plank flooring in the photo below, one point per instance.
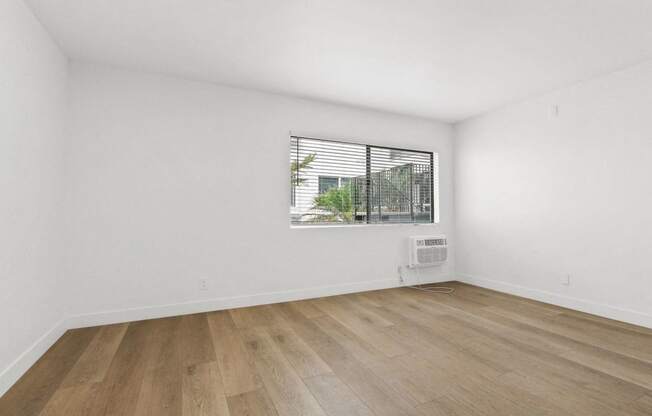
(387, 353)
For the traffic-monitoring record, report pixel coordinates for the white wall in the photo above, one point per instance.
(172, 181)
(32, 105)
(539, 196)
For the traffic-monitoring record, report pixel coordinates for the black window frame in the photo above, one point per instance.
(368, 148)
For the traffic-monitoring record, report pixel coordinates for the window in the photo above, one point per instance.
(327, 183)
(336, 183)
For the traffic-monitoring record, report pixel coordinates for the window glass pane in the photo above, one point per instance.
(401, 186)
(319, 171)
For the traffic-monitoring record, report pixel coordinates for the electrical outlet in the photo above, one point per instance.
(565, 279)
(203, 284)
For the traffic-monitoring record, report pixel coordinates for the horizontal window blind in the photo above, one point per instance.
(337, 183)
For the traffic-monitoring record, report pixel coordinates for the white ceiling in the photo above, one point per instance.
(444, 59)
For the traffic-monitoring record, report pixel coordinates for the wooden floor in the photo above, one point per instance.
(390, 352)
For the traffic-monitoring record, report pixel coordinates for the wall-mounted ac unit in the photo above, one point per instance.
(427, 250)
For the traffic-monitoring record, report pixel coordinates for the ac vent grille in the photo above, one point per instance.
(429, 256)
(428, 250)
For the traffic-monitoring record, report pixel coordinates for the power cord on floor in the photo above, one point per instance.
(425, 288)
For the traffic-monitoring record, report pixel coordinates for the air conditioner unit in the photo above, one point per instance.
(427, 250)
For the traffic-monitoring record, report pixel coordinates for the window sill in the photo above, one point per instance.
(312, 227)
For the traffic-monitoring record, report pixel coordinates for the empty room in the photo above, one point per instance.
(325, 207)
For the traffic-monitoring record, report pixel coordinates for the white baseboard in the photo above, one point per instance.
(185, 308)
(583, 305)
(16, 369)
